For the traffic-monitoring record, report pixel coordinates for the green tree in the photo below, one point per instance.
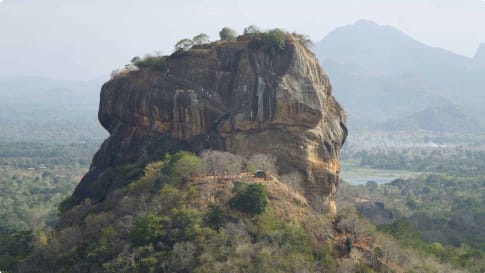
(183, 45)
(15, 245)
(251, 30)
(227, 34)
(200, 39)
(183, 165)
(215, 217)
(251, 200)
(371, 186)
(148, 229)
(135, 60)
(273, 41)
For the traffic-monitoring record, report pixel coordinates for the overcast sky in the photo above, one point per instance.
(83, 39)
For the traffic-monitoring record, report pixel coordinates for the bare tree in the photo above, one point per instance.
(264, 162)
(233, 164)
(220, 163)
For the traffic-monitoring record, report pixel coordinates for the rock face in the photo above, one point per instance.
(227, 96)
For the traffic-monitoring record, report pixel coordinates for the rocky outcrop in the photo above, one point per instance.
(227, 96)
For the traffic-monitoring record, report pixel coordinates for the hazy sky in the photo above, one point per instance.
(83, 39)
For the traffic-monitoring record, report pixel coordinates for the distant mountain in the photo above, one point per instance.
(440, 119)
(384, 50)
(380, 74)
(46, 91)
(480, 54)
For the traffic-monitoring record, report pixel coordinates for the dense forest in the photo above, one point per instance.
(437, 215)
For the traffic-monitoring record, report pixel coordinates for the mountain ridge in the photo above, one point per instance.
(381, 73)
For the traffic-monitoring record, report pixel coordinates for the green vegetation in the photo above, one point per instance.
(455, 161)
(201, 39)
(273, 41)
(158, 224)
(227, 34)
(251, 30)
(215, 217)
(157, 63)
(182, 46)
(439, 211)
(15, 245)
(163, 221)
(437, 215)
(183, 165)
(35, 178)
(149, 229)
(251, 199)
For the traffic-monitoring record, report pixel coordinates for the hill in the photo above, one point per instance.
(161, 223)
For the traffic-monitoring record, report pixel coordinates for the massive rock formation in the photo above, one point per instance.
(228, 96)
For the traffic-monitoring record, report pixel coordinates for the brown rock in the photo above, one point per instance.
(230, 97)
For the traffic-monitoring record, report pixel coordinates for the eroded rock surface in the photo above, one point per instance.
(230, 97)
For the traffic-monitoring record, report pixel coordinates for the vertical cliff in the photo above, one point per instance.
(231, 96)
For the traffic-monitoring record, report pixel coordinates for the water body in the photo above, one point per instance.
(352, 173)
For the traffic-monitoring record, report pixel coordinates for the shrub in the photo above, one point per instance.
(150, 180)
(170, 197)
(251, 200)
(66, 204)
(149, 229)
(252, 29)
(215, 217)
(273, 41)
(349, 242)
(182, 165)
(150, 62)
(15, 245)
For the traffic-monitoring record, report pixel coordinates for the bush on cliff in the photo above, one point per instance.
(273, 41)
(215, 217)
(182, 165)
(150, 62)
(251, 200)
(227, 34)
